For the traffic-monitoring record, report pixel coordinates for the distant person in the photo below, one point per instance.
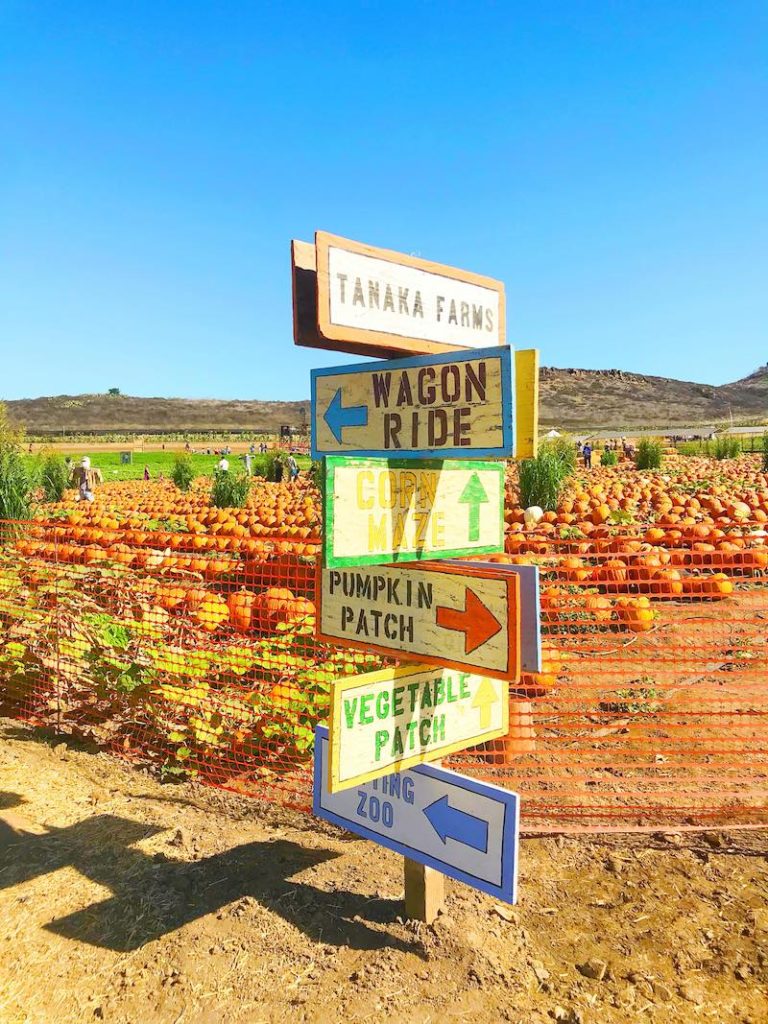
(293, 466)
(146, 472)
(252, 449)
(222, 466)
(586, 452)
(186, 447)
(85, 480)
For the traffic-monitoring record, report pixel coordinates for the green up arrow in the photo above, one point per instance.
(474, 495)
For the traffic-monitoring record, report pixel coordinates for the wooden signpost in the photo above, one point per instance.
(387, 721)
(389, 433)
(448, 615)
(526, 403)
(379, 510)
(456, 405)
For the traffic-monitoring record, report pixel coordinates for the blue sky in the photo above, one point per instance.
(607, 160)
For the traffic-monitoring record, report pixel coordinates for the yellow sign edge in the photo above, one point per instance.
(526, 403)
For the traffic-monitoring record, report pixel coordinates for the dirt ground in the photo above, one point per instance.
(125, 900)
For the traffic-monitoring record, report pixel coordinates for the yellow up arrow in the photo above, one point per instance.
(484, 699)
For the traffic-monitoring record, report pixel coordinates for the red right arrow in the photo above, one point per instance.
(476, 622)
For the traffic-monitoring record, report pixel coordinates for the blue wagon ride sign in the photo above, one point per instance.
(457, 405)
(381, 510)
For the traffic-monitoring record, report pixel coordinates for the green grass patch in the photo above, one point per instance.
(159, 463)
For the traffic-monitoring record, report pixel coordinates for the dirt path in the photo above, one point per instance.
(123, 900)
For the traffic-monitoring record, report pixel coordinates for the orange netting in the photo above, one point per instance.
(182, 637)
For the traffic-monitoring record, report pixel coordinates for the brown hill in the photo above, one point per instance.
(72, 414)
(613, 399)
(571, 399)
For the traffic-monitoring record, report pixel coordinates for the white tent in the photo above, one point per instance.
(553, 433)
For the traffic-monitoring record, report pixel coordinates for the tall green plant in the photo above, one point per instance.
(54, 477)
(541, 481)
(272, 466)
(230, 490)
(727, 447)
(765, 453)
(17, 479)
(183, 472)
(650, 452)
(609, 457)
(563, 449)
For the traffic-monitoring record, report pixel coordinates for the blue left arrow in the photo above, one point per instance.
(452, 823)
(337, 417)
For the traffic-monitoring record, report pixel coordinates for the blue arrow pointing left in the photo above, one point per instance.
(452, 823)
(337, 417)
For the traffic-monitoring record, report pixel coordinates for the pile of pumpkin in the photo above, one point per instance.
(244, 610)
(728, 494)
(156, 551)
(273, 509)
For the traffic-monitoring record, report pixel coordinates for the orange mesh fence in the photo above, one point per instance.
(182, 637)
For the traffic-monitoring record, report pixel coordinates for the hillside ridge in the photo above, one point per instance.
(570, 398)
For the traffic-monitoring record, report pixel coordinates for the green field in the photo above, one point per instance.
(751, 443)
(161, 464)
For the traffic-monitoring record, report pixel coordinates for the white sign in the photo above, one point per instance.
(367, 294)
(392, 298)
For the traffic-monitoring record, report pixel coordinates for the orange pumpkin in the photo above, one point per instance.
(599, 607)
(272, 606)
(240, 606)
(211, 613)
(538, 684)
(635, 613)
(666, 582)
(611, 574)
(170, 597)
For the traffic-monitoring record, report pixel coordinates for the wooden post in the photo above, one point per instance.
(527, 403)
(424, 891)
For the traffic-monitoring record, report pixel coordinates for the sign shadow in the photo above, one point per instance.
(155, 895)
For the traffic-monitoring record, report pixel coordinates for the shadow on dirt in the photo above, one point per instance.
(8, 800)
(155, 895)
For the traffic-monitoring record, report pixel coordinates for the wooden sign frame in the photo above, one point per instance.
(344, 338)
(511, 582)
(530, 610)
(526, 403)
